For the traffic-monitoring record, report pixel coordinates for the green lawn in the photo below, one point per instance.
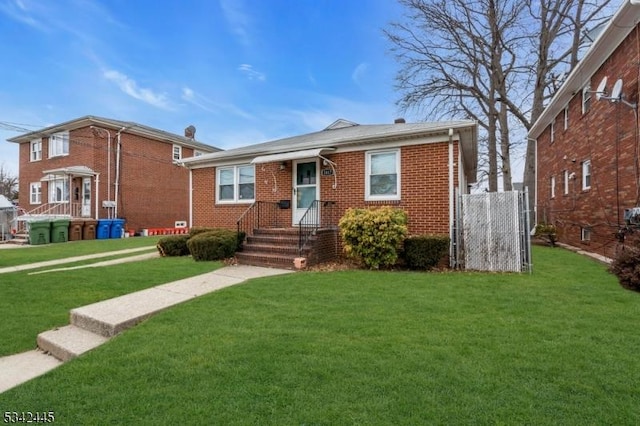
(40, 253)
(359, 347)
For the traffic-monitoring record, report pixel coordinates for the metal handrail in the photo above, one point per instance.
(312, 220)
(260, 214)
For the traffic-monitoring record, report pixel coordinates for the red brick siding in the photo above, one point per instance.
(424, 190)
(153, 191)
(605, 135)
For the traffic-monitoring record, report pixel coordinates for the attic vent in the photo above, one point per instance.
(399, 121)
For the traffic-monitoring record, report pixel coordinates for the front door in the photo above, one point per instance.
(86, 197)
(305, 187)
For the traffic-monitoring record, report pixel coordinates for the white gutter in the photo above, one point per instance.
(190, 198)
(117, 180)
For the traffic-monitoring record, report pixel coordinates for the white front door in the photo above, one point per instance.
(86, 197)
(306, 187)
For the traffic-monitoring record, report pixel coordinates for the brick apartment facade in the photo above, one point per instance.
(75, 165)
(422, 188)
(587, 149)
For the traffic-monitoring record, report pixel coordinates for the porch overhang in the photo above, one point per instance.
(70, 171)
(293, 155)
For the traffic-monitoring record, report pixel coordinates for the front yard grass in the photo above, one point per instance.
(360, 347)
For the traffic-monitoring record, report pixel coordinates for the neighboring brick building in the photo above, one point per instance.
(587, 172)
(414, 166)
(100, 168)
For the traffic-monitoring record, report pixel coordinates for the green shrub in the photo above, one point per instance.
(373, 236)
(425, 251)
(199, 230)
(548, 232)
(215, 244)
(173, 245)
(626, 265)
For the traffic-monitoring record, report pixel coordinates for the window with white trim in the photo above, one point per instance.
(585, 234)
(36, 150)
(553, 186)
(59, 190)
(586, 98)
(59, 144)
(177, 152)
(382, 175)
(566, 182)
(586, 174)
(35, 193)
(235, 184)
(566, 117)
(553, 131)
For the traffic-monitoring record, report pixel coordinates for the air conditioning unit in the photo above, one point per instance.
(632, 216)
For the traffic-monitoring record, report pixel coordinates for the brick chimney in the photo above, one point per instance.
(190, 132)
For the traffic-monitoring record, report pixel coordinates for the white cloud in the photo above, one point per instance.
(359, 72)
(237, 18)
(130, 87)
(252, 74)
(17, 11)
(209, 105)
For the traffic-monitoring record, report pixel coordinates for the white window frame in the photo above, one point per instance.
(553, 186)
(236, 184)
(59, 144)
(586, 174)
(61, 184)
(35, 193)
(586, 98)
(367, 176)
(553, 131)
(176, 152)
(566, 117)
(35, 150)
(585, 234)
(566, 182)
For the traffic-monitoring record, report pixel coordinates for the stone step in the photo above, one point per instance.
(269, 248)
(68, 342)
(276, 231)
(280, 240)
(265, 259)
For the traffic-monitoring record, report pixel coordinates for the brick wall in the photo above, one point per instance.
(424, 190)
(153, 191)
(607, 136)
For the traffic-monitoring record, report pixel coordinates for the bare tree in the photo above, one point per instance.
(494, 61)
(8, 183)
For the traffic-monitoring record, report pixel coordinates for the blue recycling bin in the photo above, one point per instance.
(103, 229)
(117, 225)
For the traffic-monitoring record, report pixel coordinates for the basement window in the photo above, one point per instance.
(585, 234)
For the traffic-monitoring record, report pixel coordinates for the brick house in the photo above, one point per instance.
(587, 174)
(288, 186)
(100, 168)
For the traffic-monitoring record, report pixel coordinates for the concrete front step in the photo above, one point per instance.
(68, 342)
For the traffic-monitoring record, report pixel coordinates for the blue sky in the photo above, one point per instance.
(240, 71)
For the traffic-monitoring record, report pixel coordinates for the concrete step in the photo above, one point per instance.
(68, 342)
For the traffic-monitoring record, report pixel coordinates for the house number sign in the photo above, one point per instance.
(327, 172)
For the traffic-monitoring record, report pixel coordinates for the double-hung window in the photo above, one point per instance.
(59, 190)
(35, 193)
(586, 98)
(566, 182)
(586, 174)
(59, 144)
(235, 184)
(36, 150)
(177, 152)
(552, 184)
(382, 179)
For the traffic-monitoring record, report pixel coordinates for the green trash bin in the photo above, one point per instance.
(39, 232)
(60, 230)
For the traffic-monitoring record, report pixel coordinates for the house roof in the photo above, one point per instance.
(5, 204)
(343, 134)
(619, 27)
(108, 123)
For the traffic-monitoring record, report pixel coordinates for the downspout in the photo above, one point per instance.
(117, 179)
(451, 199)
(190, 198)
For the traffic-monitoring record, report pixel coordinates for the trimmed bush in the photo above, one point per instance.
(626, 265)
(548, 232)
(173, 245)
(200, 229)
(373, 236)
(216, 244)
(425, 251)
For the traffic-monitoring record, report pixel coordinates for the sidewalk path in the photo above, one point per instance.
(27, 266)
(95, 324)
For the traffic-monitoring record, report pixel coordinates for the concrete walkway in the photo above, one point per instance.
(95, 324)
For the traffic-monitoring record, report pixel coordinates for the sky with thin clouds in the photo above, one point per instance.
(240, 71)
